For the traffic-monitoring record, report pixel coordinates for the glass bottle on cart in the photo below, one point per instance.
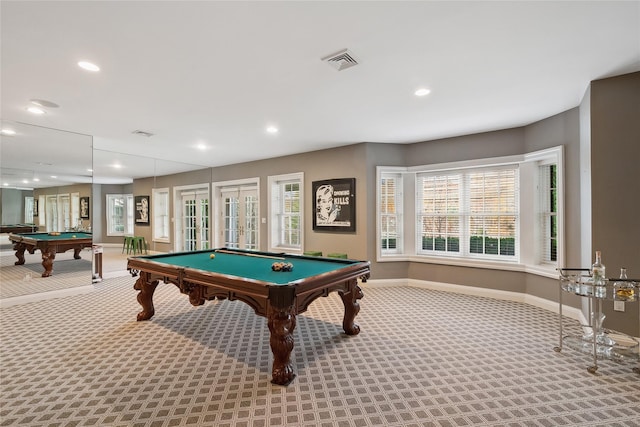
(598, 271)
(623, 290)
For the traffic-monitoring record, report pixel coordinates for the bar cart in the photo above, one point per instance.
(596, 340)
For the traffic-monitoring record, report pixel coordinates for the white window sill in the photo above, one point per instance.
(539, 270)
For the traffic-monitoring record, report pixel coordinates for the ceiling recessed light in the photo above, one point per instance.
(201, 147)
(36, 110)
(89, 66)
(36, 179)
(54, 176)
(8, 132)
(43, 103)
(272, 129)
(422, 92)
(88, 170)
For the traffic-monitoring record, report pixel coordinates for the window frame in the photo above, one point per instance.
(464, 214)
(161, 214)
(398, 196)
(529, 259)
(276, 208)
(127, 217)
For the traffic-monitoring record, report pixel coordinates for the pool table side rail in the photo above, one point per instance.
(62, 245)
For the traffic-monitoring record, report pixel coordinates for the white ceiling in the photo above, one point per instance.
(218, 73)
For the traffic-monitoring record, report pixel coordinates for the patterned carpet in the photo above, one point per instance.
(26, 279)
(423, 358)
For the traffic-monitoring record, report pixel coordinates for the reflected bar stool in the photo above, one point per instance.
(127, 243)
(313, 253)
(337, 255)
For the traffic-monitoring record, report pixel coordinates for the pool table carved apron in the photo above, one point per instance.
(280, 305)
(48, 252)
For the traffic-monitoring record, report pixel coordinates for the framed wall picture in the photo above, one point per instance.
(334, 205)
(84, 208)
(142, 210)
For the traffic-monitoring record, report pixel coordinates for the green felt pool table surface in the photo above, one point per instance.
(256, 268)
(67, 235)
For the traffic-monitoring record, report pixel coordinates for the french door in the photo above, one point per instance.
(239, 215)
(194, 220)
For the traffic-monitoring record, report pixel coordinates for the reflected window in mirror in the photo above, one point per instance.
(120, 212)
(28, 210)
(75, 211)
(51, 208)
(160, 211)
(41, 211)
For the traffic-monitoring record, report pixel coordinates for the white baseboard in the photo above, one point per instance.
(571, 312)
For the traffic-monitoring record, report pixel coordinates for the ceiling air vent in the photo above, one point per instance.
(341, 60)
(142, 133)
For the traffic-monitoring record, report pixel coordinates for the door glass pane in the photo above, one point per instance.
(250, 221)
(203, 220)
(189, 217)
(231, 224)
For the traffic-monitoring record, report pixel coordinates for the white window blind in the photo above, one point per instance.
(468, 213)
(390, 212)
(286, 212)
(548, 215)
(160, 214)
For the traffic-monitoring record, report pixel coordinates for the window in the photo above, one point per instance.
(469, 213)
(286, 212)
(160, 200)
(28, 210)
(548, 215)
(76, 221)
(390, 208)
(120, 211)
(501, 212)
(42, 211)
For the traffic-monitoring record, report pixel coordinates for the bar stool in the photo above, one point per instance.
(127, 243)
(337, 255)
(138, 244)
(313, 253)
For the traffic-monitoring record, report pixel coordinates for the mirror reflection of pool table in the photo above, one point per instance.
(49, 244)
(248, 276)
(18, 228)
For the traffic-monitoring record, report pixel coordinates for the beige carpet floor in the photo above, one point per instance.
(423, 358)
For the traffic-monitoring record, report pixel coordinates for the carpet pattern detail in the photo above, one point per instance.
(423, 358)
(26, 279)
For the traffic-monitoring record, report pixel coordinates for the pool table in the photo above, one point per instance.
(18, 228)
(248, 276)
(49, 245)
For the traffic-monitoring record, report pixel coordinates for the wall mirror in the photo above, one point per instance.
(44, 175)
(55, 181)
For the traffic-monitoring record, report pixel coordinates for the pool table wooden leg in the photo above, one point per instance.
(281, 323)
(351, 309)
(48, 256)
(145, 297)
(20, 248)
(76, 253)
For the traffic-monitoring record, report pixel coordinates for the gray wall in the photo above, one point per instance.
(615, 184)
